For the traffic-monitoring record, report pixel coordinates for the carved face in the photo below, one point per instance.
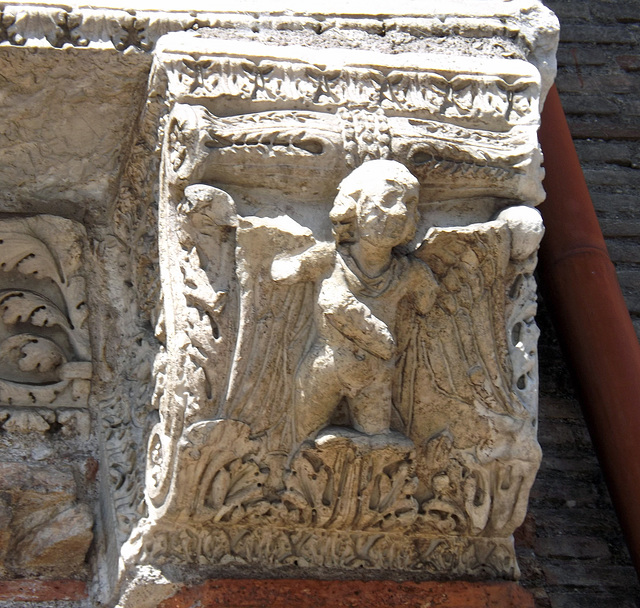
(388, 215)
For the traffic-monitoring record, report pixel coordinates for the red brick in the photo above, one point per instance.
(585, 464)
(554, 407)
(604, 152)
(349, 594)
(604, 34)
(615, 206)
(602, 129)
(579, 521)
(585, 574)
(629, 63)
(589, 104)
(572, 547)
(582, 493)
(631, 106)
(611, 83)
(569, 10)
(42, 591)
(622, 12)
(630, 283)
(577, 55)
(623, 250)
(554, 433)
(614, 176)
(525, 535)
(595, 600)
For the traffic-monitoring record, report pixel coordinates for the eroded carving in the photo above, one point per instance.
(401, 341)
(343, 113)
(345, 380)
(45, 358)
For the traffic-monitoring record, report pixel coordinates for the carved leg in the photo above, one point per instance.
(371, 407)
(318, 392)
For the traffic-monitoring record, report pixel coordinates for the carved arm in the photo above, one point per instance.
(306, 266)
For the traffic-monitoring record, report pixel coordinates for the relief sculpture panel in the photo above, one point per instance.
(45, 356)
(348, 372)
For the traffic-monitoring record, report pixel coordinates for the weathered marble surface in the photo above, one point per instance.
(74, 78)
(346, 381)
(45, 355)
(205, 167)
(45, 379)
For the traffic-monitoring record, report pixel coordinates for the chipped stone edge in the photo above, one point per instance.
(40, 25)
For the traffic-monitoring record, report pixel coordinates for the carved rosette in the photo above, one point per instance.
(255, 143)
(45, 358)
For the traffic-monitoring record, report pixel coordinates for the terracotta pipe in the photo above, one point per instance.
(580, 283)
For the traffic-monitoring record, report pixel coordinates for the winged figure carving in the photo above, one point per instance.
(422, 347)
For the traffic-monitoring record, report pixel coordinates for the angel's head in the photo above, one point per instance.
(377, 203)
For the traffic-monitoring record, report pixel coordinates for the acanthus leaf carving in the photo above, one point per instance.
(45, 358)
(29, 307)
(29, 255)
(346, 480)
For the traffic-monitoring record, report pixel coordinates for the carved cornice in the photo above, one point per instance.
(57, 26)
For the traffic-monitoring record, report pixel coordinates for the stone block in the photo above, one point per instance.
(605, 34)
(584, 574)
(46, 530)
(630, 284)
(615, 206)
(555, 433)
(623, 250)
(571, 82)
(60, 543)
(324, 412)
(604, 152)
(570, 11)
(602, 128)
(272, 269)
(595, 598)
(559, 408)
(584, 465)
(575, 521)
(629, 63)
(621, 12)
(589, 104)
(573, 55)
(619, 176)
(555, 490)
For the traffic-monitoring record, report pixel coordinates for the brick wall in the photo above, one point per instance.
(570, 548)
(599, 84)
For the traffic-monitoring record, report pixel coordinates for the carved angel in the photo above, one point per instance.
(323, 323)
(427, 352)
(354, 354)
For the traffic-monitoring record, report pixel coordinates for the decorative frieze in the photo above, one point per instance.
(301, 112)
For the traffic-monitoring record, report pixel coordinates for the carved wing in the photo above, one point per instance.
(276, 321)
(460, 391)
(455, 363)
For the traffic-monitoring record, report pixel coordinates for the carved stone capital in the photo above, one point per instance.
(347, 376)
